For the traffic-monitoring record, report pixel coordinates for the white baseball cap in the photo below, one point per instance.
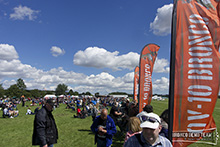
(149, 120)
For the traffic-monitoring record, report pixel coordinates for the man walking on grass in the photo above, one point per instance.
(104, 128)
(45, 130)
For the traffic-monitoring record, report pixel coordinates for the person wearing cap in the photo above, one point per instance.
(148, 108)
(104, 128)
(45, 131)
(149, 137)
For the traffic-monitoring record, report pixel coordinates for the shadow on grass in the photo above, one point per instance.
(118, 139)
(85, 130)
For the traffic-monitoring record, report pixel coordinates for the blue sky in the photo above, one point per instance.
(89, 45)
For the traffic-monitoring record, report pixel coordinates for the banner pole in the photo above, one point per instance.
(172, 72)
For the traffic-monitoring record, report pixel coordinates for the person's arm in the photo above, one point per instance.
(118, 113)
(94, 126)
(112, 129)
(41, 127)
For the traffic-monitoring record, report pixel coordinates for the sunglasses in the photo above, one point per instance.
(144, 118)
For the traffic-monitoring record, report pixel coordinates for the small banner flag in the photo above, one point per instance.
(136, 83)
(147, 59)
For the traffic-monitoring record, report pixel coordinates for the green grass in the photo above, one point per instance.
(75, 132)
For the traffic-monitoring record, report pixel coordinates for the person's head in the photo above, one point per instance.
(116, 104)
(104, 114)
(151, 125)
(148, 108)
(134, 124)
(133, 103)
(49, 104)
(165, 116)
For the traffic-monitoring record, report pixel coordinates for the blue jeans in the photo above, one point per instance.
(101, 143)
(48, 146)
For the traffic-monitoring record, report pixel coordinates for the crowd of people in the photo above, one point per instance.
(134, 126)
(141, 129)
(124, 114)
(9, 106)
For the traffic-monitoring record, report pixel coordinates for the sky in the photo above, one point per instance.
(88, 45)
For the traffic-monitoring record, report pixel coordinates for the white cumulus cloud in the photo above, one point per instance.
(161, 66)
(161, 25)
(101, 58)
(12, 68)
(8, 52)
(161, 85)
(23, 12)
(56, 51)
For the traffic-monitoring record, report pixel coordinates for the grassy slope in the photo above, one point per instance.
(75, 132)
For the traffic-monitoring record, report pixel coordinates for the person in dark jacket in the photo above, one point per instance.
(45, 131)
(133, 110)
(104, 128)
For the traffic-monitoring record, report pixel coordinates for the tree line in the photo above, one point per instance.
(20, 89)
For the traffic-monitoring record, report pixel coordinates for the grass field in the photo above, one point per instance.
(73, 132)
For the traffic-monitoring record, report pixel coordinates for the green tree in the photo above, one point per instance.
(21, 85)
(70, 92)
(61, 89)
(76, 93)
(118, 93)
(13, 90)
(26, 93)
(97, 94)
(35, 93)
(88, 93)
(2, 91)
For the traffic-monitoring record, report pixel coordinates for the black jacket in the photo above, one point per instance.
(45, 130)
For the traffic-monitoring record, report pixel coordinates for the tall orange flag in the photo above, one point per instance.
(147, 59)
(194, 76)
(136, 83)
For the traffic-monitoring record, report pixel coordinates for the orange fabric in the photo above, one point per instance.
(196, 67)
(136, 81)
(147, 59)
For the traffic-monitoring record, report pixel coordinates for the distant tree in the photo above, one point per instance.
(42, 93)
(35, 93)
(2, 91)
(26, 93)
(118, 93)
(21, 85)
(76, 93)
(49, 92)
(13, 90)
(61, 89)
(130, 95)
(97, 94)
(88, 93)
(70, 92)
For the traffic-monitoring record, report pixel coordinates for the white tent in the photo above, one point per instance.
(49, 96)
(61, 96)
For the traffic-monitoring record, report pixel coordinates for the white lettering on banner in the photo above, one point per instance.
(147, 81)
(136, 89)
(200, 65)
